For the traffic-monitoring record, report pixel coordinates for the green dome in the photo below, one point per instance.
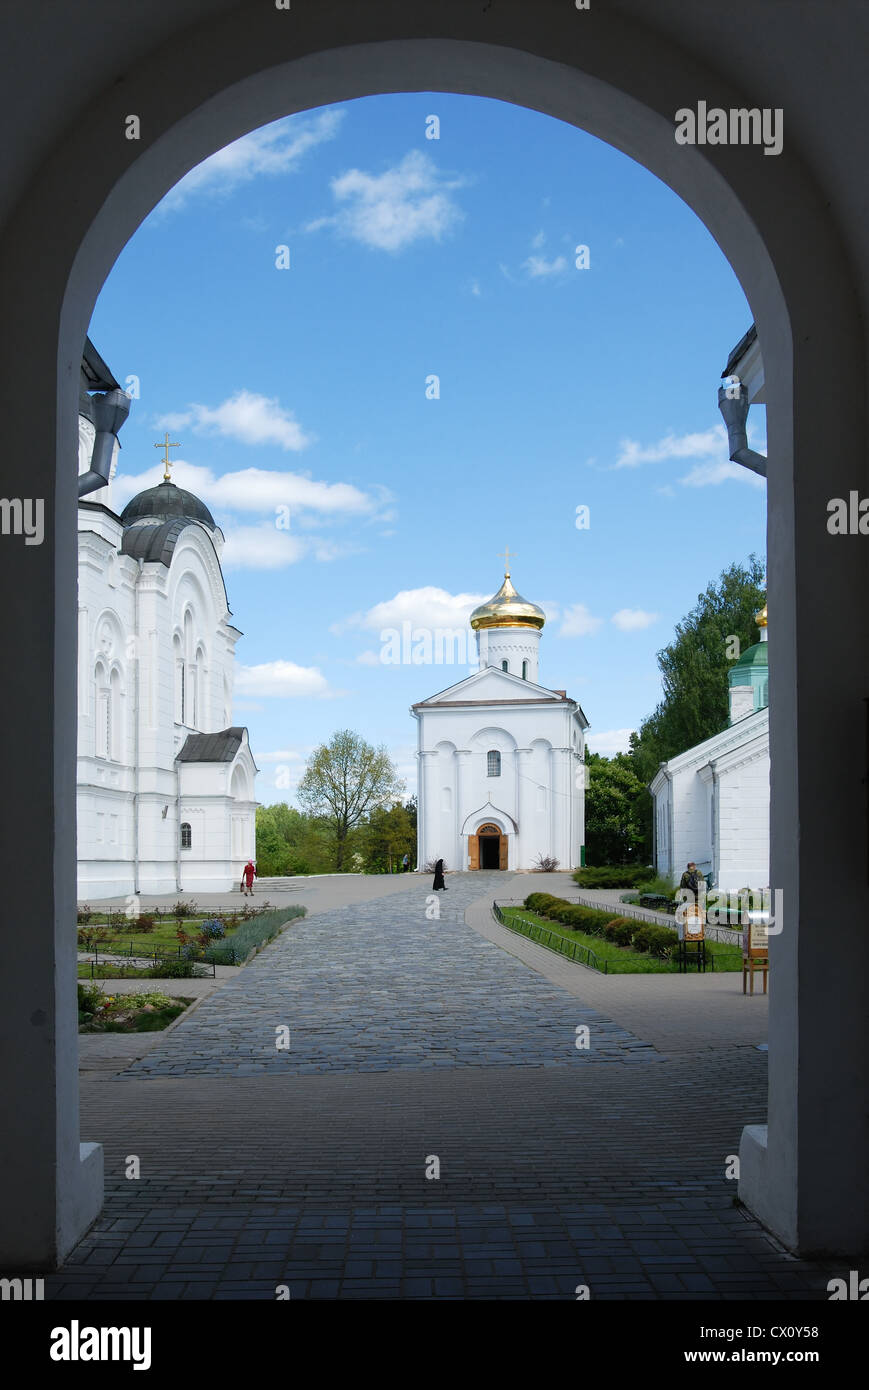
(753, 658)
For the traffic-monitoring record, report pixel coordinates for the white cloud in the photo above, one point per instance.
(261, 548)
(257, 489)
(539, 266)
(578, 621)
(711, 474)
(264, 547)
(538, 240)
(633, 619)
(681, 446)
(428, 607)
(609, 741)
(283, 679)
(709, 447)
(369, 658)
(274, 150)
(389, 211)
(247, 417)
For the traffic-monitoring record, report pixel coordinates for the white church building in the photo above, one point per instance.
(712, 802)
(165, 782)
(501, 757)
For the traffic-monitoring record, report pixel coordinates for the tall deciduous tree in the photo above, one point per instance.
(614, 820)
(695, 664)
(343, 780)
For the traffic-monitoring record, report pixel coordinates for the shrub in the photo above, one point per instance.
(592, 920)
(89, 937)
(172, 969)
(620, 931)
(539, 902)
(212, 930)
(116, 919)
(545, 864)
(144, 923)
(559, 910)
(90, 999)
(573, 915)
(263, 928)
(569, 916)
(660, 940)
(183, 909)
(84, 914)
(613, 875)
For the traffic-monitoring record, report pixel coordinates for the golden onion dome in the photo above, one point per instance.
(507, 609)
(760, 618)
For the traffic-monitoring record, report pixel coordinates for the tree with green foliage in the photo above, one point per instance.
(278, 831)
(343, 781)
(695, 664)
(614, 799)
(389, 834)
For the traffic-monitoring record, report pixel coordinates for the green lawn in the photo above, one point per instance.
(620, 960)
(163, 940)
(110, 972)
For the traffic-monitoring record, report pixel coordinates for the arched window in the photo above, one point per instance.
(186, 835)
(102, 712)
(179, 680)
(524, 670)
(505, 666)
(493, 763)
(189, 681)
(199, 690)
(115, 728)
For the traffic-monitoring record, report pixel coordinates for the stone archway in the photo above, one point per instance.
(488, 847)
(196, 88)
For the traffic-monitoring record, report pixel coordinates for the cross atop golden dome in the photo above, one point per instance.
(507, 608)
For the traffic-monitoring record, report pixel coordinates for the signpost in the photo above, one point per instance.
(755, 948)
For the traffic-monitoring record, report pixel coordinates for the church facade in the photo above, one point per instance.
(165, 783)
(712, 802)
(500, 757)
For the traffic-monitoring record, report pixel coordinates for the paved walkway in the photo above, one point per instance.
(414, 1040)
(380, 986)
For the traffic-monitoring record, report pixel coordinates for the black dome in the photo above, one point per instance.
(164, 503)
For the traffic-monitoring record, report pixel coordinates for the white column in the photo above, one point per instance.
(561, 791)
(525, 798)
(426, 807)
(462, 756)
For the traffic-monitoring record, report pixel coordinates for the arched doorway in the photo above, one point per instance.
(492, 847)
(195, 90)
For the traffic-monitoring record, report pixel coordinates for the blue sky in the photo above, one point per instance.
(351, 497)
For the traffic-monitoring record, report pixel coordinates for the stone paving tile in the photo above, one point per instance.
(412, 1038)
(378, 986)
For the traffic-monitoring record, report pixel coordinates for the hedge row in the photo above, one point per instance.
(622, 931)
(613, 875)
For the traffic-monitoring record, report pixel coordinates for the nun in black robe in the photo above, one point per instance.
(439, 877)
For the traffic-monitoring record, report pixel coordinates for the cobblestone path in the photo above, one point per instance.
(413, 1038)
(379, 986)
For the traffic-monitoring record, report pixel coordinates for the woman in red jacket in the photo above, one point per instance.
(248, 874)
